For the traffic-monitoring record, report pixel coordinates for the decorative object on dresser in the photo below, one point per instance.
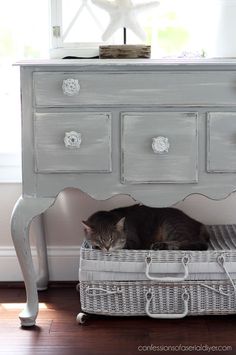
(123, 15)
(156, 130)
(128, 51)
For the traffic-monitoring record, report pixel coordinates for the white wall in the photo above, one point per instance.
(64, 230)
(9, 194)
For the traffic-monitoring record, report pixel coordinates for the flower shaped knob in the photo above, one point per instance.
(160, 145)
(70, 87)
(72, 140)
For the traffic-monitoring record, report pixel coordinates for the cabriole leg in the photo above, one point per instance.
(25, 210)
(41, 246)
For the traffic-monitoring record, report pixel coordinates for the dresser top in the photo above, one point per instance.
(149, 64)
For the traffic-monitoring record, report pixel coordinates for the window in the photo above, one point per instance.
(24, 28)
(175, 28)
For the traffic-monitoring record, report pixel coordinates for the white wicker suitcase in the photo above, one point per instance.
(164, 283)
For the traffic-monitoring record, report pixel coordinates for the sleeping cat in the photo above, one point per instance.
(142, 227)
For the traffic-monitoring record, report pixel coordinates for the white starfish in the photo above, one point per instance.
(122, 14)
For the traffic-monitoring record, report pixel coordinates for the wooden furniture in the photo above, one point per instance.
(157, 130)
(124, 51)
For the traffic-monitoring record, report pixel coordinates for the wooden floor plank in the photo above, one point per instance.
(57, 332)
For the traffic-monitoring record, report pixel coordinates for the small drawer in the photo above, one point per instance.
(72, 142)
(221, 142)
(56, 89)
(159, 147)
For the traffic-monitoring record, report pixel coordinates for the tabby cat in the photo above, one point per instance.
(142, 227)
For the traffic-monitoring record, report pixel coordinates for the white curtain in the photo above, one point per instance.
(24, 33)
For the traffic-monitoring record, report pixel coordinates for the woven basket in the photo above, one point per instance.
(161, 284)
(166, 300)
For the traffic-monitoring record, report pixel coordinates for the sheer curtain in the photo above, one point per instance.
(24, 34)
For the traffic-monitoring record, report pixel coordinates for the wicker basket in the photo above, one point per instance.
(161, 284)
(165, 300)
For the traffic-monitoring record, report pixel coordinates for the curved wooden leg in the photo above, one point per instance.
(43, 273)
(25, 210)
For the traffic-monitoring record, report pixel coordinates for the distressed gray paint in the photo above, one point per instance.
(146, 88)
(96, 65)
(105, 185)
(141, 164)
(94, 154)
(221, 153)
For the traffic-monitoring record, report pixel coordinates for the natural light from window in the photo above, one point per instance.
(20, 306)
(24, 28)
(174, 28)
(177, 28)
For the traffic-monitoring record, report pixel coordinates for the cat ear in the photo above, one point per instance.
(87, 228)
(120, 224)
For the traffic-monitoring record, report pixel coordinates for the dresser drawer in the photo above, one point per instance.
(134, 88)
(221, 142)
(72, 142)
(159, 147)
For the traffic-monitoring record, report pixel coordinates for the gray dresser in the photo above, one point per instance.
(156, 130)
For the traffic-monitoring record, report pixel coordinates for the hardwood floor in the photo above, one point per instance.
(57, 332)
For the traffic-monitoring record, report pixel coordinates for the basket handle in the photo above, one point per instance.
(221, 262)
(101, 291)
(185, 298)
(185, 261)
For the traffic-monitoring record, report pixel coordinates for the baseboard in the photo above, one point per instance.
(63, 263)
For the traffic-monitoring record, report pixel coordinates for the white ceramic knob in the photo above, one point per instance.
(72, 139)
(70, 87)
(160, 145)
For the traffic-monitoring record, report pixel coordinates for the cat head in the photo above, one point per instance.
(104, 233)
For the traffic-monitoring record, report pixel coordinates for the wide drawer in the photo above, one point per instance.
(159, 147)
(221, 138)
(136, 88)
(72, 142)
